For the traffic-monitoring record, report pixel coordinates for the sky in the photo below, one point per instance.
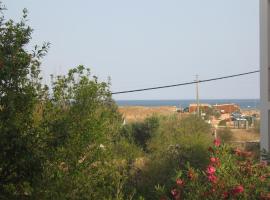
(147, 43)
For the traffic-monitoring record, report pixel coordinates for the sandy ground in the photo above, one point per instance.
(251, 112)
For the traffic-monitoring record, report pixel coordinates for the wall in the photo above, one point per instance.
(264, 74)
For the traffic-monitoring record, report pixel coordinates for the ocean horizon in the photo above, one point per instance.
(243, 103)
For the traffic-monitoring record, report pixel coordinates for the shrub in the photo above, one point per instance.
(257, 126)
(223, 123)
(212, 112)
(141, 132)
(176, 142)
(230, 174)
(182, 131)
(225, 134)
(83, 124)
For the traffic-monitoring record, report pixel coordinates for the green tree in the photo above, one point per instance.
(58, 144)
(141, 132)
(82, 124)
(21, 156)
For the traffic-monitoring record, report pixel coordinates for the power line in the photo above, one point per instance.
(187, 83)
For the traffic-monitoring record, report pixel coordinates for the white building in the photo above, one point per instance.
(265, 72)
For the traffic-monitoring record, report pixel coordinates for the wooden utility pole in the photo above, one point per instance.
(197, 95)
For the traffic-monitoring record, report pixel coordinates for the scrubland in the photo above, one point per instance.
(68, 140)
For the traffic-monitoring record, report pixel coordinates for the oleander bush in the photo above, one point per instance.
(230, 174)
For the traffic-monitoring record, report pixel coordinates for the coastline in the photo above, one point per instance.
(243, 103)
(139, 113)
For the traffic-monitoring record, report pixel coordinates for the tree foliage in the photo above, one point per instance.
(141, 132)
(54, 143)
(21, 156)
(81, 123)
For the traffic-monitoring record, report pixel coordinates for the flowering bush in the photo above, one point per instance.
(230, 174)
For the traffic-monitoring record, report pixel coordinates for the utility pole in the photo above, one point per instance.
(197, 95)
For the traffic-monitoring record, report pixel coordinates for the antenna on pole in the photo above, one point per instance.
(197, 95)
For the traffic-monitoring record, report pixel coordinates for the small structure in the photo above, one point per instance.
(203, 107)
(227, 108)
(241, 123)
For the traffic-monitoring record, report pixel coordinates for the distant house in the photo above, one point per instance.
(203, 107)
(227, 108)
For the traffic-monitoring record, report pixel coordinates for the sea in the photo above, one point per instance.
(243, 103)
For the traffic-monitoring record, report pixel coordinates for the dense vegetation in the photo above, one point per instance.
(54, 143)
(230, 174)
(68, 141)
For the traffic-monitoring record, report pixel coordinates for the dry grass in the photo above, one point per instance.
(251, 112)
(139, 113)
(243, 135)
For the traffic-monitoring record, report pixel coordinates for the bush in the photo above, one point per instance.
(141, 132)
(176, 142)
(230, 174)
(223, 123)
(83, 124)
(174, 130)
(225, 134)
(257, 126)
(212, 112)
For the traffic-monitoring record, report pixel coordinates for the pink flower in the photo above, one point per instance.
(238, 189)
(174, 192)
(210, 170)
(212, 178)
(225, 195)
(213, 159)
(180, 182)
(217, 142)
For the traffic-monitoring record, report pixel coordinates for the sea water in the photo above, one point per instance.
(243, 103)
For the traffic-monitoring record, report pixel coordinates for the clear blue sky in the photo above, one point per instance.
(145, 43)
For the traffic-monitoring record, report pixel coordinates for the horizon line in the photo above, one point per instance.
(183, 99)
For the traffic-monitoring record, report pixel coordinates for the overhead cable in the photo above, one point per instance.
(187, 83)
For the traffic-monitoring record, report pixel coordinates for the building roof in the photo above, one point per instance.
(201, 105)
(226, 104)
